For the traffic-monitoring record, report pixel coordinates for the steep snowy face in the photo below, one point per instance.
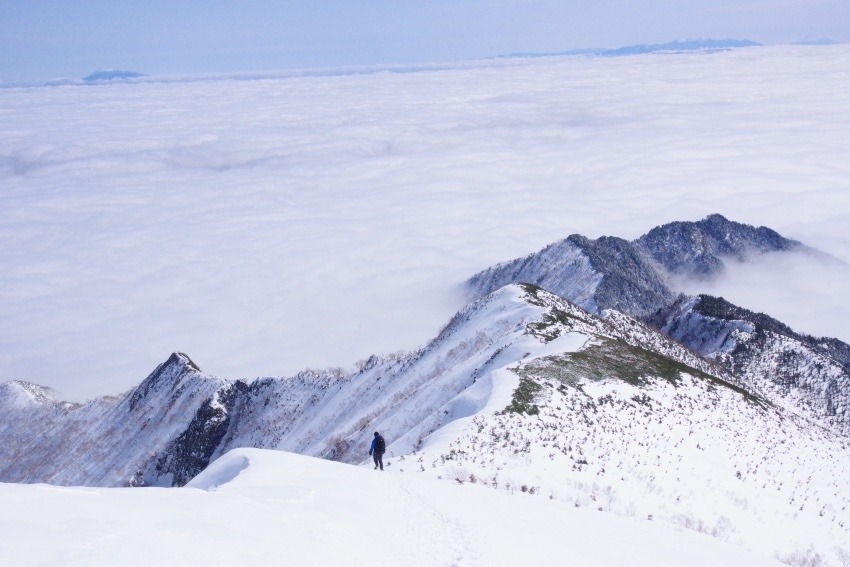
(106, 441)
(607, 273)
(564, 268)
(810, 375)
(701, 248)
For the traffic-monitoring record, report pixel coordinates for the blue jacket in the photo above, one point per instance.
(374, 446)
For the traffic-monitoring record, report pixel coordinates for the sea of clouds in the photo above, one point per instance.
(269, 224)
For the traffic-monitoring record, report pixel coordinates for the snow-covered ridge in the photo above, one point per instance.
(619, 431)
(522, 391)
(167, 429)
(621, 397)
(808, 375)
(632, 277)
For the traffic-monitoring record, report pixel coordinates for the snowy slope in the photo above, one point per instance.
(615, 429)
(522, 391)
(255, 507)
(808, 375)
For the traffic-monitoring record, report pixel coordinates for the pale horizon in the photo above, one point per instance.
(67, 39)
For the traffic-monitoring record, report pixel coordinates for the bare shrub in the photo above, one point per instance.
(458, 474)
(843, 556)
(721, 529)
(801, 558)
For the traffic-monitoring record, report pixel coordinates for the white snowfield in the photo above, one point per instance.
(260, 507)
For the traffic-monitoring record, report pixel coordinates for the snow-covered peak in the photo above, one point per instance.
(20, 394)
(168, 379)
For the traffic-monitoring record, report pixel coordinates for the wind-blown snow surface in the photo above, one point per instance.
(267, 225)
(255, 507)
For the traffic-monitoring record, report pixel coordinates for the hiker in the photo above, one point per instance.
(377, 450)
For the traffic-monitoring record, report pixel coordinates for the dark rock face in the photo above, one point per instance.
(630, 282)
(699, 248)
(193, 449)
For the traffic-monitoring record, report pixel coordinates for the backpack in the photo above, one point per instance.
(380, 444)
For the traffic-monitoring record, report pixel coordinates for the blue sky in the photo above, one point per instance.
(64, 38)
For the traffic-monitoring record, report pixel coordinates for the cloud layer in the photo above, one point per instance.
(267, 225)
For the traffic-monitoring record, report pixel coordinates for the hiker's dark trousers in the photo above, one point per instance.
(379, 459)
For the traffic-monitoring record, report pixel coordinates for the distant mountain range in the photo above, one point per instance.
(669, 47)
(111, 75)
(697, 45)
